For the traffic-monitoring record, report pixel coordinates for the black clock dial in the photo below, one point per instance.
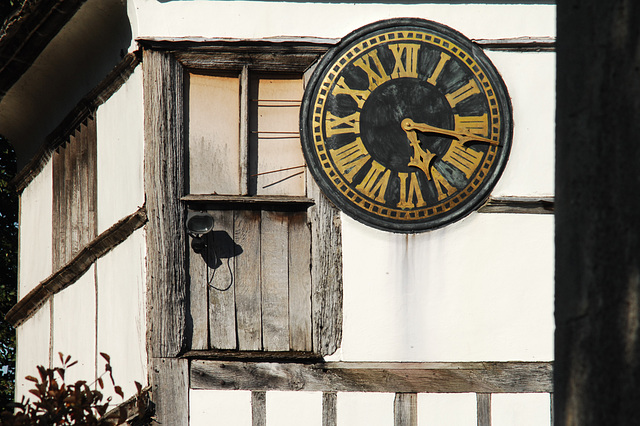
(406, 125)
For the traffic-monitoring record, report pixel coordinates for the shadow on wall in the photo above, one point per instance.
(76, 60)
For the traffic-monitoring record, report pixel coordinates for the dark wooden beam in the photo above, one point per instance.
(77, 266)
(519, 44)
(410, 377)
(526, 205)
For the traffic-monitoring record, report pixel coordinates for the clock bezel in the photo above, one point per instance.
(469, 204)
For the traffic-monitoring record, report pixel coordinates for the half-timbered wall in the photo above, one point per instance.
(480, 290)
(86, 208)
(453, 326)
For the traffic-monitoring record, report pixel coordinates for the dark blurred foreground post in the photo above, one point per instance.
(597, 368)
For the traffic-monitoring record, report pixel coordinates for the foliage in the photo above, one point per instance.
(7, 7)
(58, 403)
(8, 269)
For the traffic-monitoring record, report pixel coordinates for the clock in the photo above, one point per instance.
(406, 125)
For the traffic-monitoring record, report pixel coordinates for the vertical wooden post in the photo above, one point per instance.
(405, 409)
(329, 410)
(326, 273)
(258, 408)
(484, 409)
(170, 390)
(164, 180)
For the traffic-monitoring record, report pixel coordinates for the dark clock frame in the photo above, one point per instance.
(344, 194)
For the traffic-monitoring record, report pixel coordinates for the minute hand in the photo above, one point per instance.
(408, 124)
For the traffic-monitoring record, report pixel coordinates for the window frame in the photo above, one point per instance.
(167, 62)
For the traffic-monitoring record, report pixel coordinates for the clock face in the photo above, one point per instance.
(406, 125)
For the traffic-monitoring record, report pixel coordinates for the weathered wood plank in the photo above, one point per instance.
(91, 201)
(170, 390)
(67, 217)
(266, 202)
(326, 273)
(525, 205)
(254, 356)
(405, 409)
(83, 186)
(484, 409)
(248, 289)
(219, 277)
(329, 409)
(164, 178)
(244, 130)
(412, 377)
(299, 283)
(74, 217)
(258, 408)
(275, 281)
(198, 301)
(58, 209)
(261, 61)
(70, 272)
(519, 44)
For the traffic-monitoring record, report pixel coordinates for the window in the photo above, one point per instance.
(253, 288)
(243, 134)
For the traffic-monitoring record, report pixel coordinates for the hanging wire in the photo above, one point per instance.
(215, 259)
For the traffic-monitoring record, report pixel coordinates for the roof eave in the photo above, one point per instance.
(27, 32)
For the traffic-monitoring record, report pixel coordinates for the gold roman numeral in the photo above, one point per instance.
(337, 125)
(410, 192)
(444, 188)
(475, 125)
(374, 184)
(341, 88)
(350, 158)
(469, 89)
(436, 72)
(463, 158)
(409, 66)
(376, 78)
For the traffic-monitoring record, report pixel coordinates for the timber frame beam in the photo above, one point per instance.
(393, 377)
(77, 266)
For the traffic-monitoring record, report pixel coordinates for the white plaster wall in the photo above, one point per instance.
(532, 409)
(447, 409)
(120, 131)
(74, 327)
(294, 408)
(531, 80)
(33, 344)
(478, 290)
(121, 312)
(364, 409)
(255, 19)
(34, 233)
(219, 408)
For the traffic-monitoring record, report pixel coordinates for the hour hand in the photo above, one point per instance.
(408, 125)
(421, 158)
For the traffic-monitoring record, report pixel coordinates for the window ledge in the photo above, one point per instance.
(277, 202)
